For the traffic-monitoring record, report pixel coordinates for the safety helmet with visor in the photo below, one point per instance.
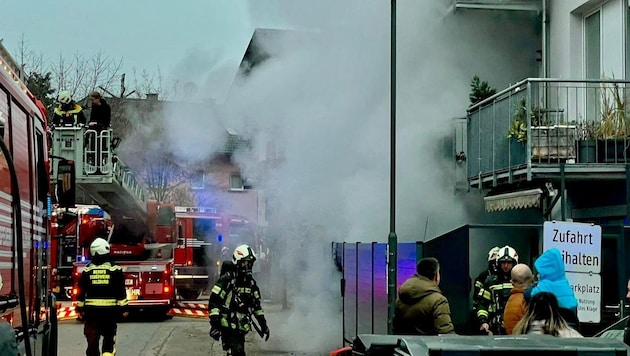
(508, 254)
(244, 258)
(493, 254)
(99, 247)
(64, 97)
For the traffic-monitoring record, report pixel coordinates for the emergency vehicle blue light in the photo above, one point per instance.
(220, 238)
(49, 206)
(95, 211)
(45, 244)
(36, 244)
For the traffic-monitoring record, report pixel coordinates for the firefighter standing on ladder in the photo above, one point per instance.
(234, 300)
(68, 113)
(492, 290)
(101, 300)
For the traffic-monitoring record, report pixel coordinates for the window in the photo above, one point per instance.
(205, 230)
(4, 113)
(592, 60)
(165, 216)
(236, 182)
(592, 45)
(197, 180)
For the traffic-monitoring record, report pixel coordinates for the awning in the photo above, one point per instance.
(512, 5)
(514, 200)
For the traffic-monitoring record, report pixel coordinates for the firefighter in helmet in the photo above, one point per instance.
(492, 289)
(235, 303)
(102, 299)
(68, 113)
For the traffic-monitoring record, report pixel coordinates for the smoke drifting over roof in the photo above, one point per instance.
(322, 96)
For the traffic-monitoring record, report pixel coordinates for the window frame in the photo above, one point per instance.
(232, 187)
(198, 184)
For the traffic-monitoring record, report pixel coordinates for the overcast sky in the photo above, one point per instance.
(146, 34)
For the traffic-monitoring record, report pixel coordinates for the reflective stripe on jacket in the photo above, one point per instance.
(222, 302)
(101, 287)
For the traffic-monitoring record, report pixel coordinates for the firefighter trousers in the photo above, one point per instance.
(94, 329)
(233, 342)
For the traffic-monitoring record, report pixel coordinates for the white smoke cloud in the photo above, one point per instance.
(324, 96)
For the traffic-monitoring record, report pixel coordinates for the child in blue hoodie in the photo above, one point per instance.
(552, 279)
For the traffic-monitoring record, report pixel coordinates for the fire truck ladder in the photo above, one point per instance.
(100, 175)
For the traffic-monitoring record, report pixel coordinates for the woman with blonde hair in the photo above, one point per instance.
(543, 317)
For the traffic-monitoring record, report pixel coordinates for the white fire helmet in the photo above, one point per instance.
(99, 247)
(493, 254)
(243, 253)
(508, 254)
(64, 97)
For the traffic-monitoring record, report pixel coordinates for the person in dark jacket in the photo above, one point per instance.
(493, 292)
(8, 343)
(101, 115)
(421, 308)
(234, 301)
(550, 268)
(102, 299)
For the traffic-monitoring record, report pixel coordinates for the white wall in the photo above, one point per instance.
(565, 56)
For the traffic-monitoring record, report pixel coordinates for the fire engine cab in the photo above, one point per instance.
(71, 229)
(206, 238)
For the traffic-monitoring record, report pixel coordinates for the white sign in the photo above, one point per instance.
(580, 244)
(587, 288)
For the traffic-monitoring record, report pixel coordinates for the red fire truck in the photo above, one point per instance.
(24, 195)
(205, 239)
(70, 229)
(145, 252)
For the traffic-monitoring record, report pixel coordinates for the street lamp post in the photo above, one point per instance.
(392, 240)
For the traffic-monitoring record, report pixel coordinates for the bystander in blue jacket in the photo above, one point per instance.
(552, 279)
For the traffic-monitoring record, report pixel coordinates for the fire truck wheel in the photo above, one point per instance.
(189, 294)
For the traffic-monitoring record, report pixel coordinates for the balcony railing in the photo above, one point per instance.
(541, 122)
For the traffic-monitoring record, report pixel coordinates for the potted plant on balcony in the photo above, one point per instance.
(587, 141)
(614, 128)
(549, 140)
(518, 128)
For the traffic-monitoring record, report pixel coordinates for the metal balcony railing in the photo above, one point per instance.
(547, 121)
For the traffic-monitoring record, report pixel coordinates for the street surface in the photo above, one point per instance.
(176, 337)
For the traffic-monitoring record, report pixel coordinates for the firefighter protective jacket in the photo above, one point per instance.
(491, 292)
(234, 300)
(102, 289)
(69, 116)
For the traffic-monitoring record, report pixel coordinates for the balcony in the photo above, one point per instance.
(547, 128)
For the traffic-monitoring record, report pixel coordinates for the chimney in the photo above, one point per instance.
(152, 96)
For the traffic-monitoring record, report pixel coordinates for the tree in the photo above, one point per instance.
(152, 83)
(480, 90)
(40, 85)
(162, 176)
(81, 75)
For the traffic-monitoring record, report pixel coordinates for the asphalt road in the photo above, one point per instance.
(176, 337)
